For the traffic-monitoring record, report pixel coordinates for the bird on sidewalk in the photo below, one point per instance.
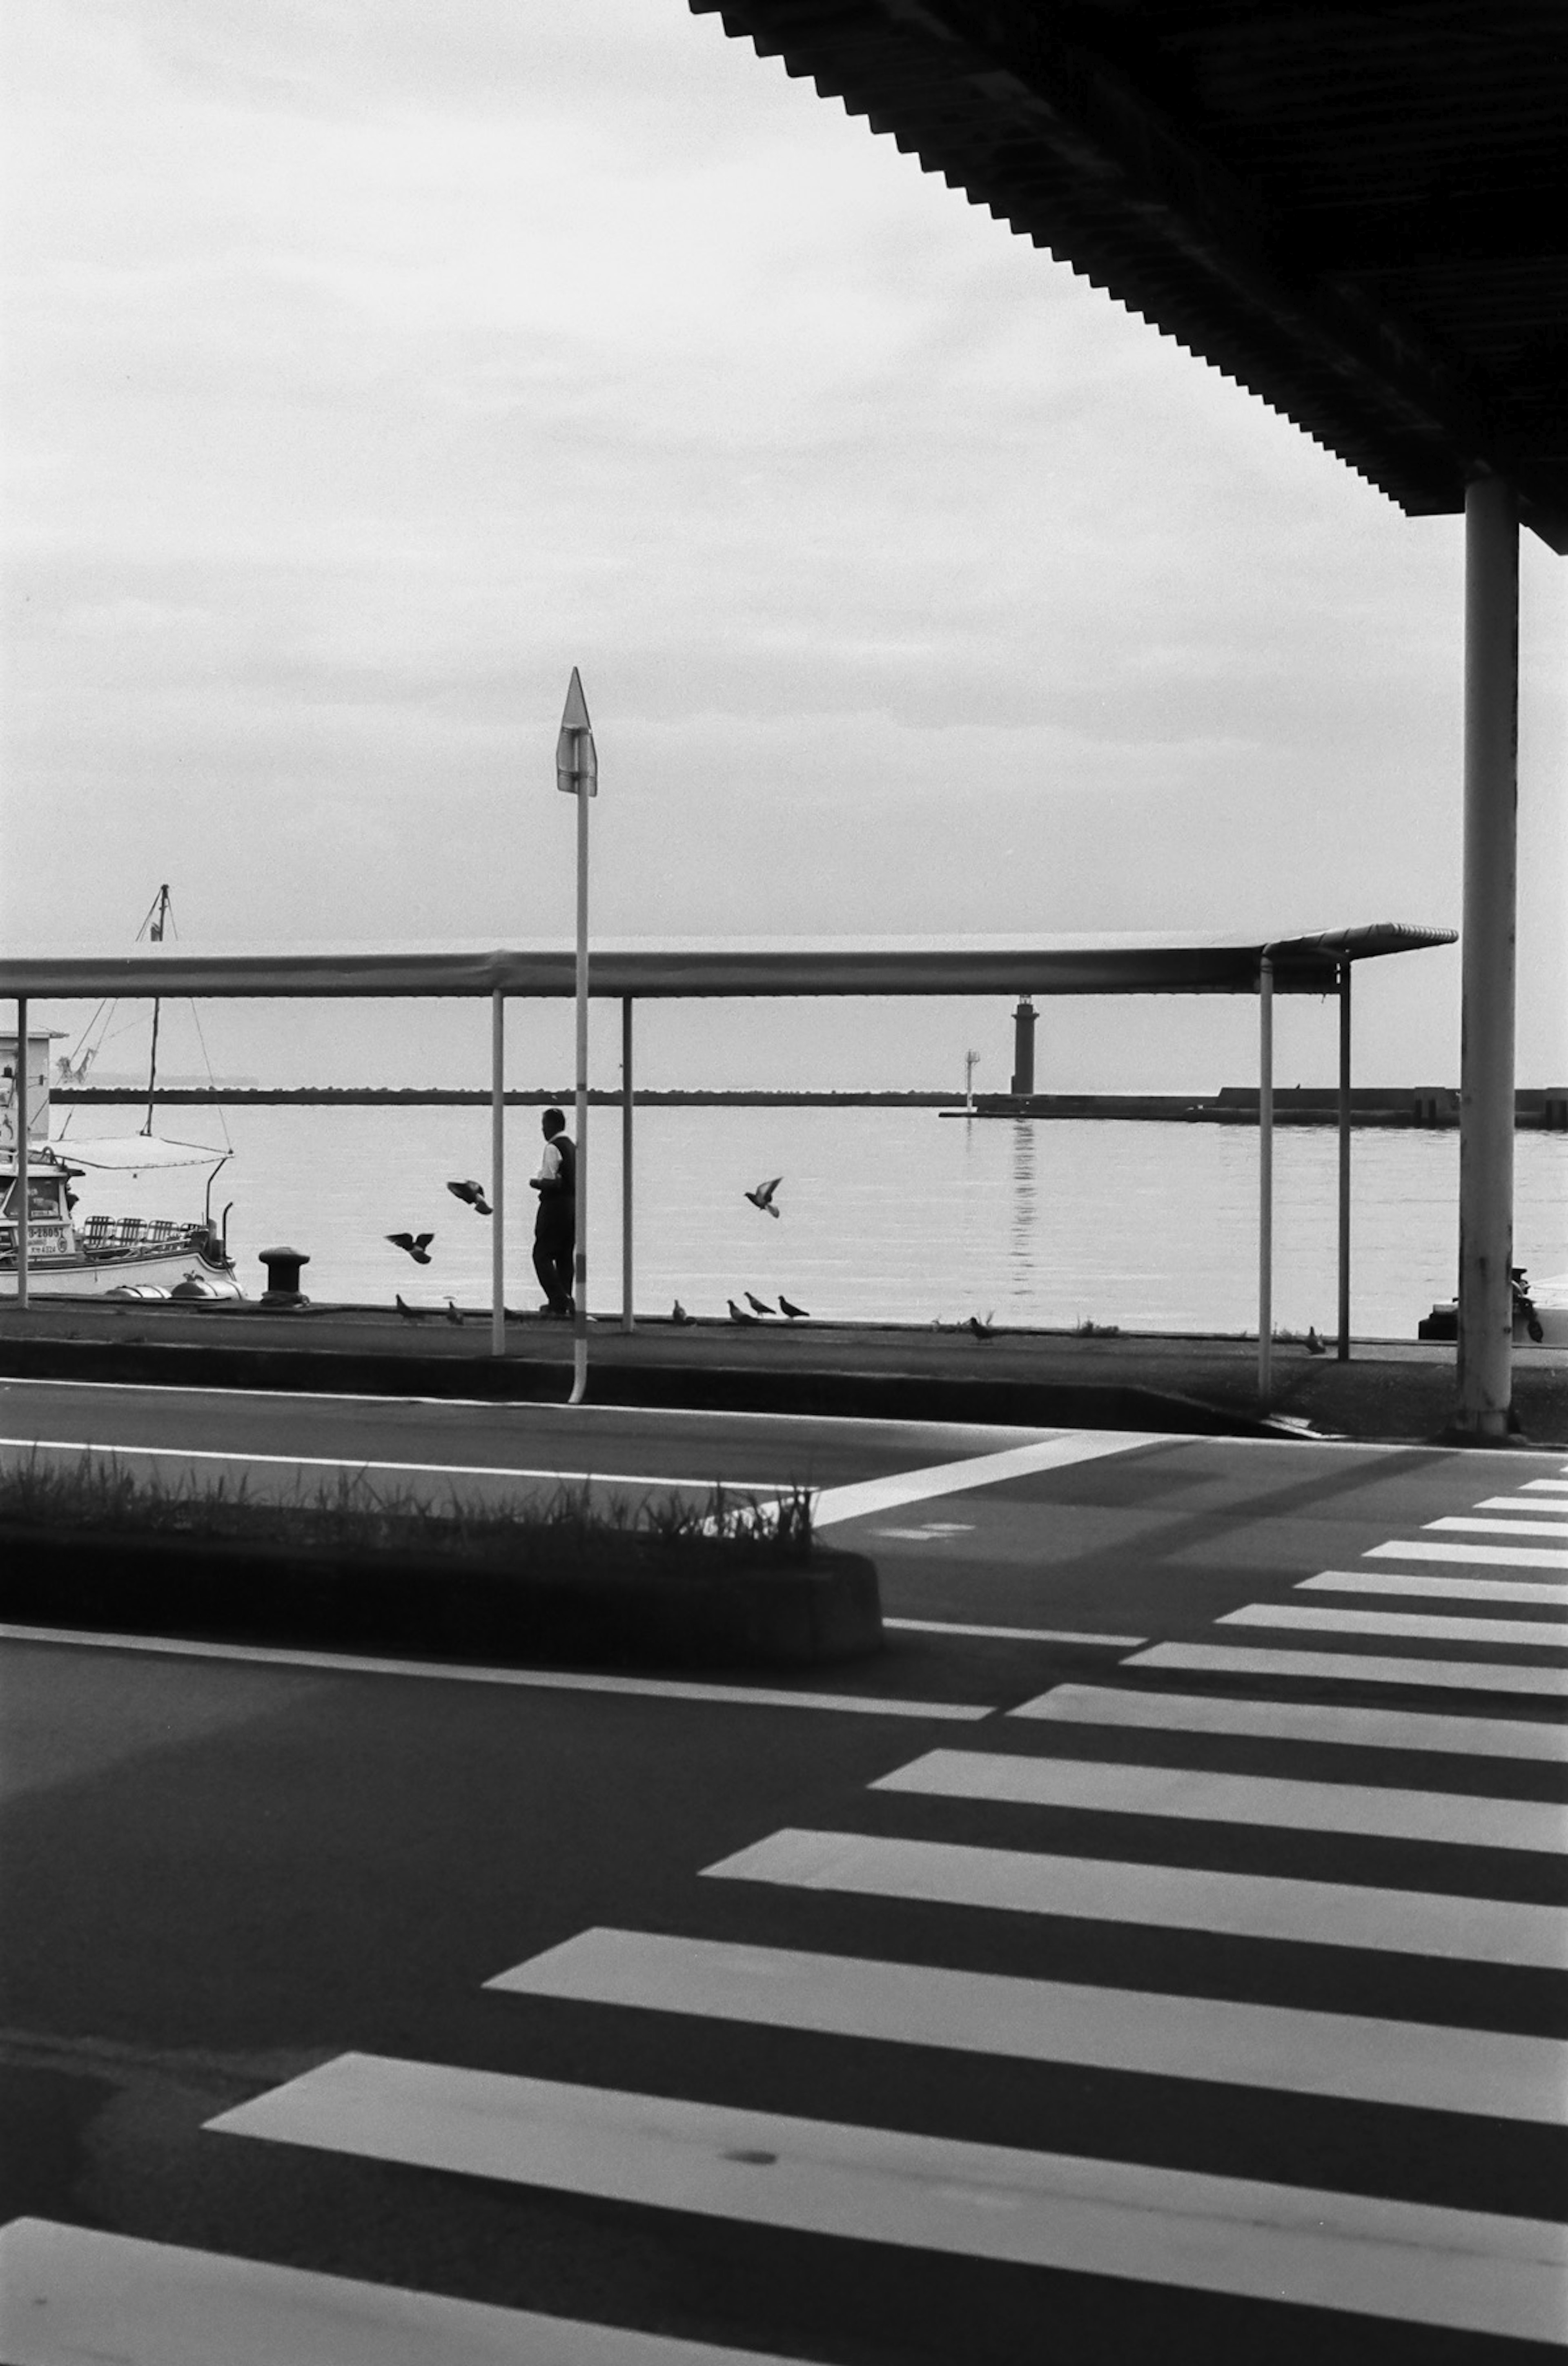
(410, 1313)
(981, 1330)
(679, 1316)
(757, 1305)
(413, 1244)
(474, 1194)
(1314, 1346)
(796, 1313)
(763, 1197)
(452, 1313)
(738, 1313)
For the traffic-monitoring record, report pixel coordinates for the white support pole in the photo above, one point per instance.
(1487, 1045)
(579, 1269)
(24, 1131)
(498, 1174)
(1343, 1343)
(628, 1318)
(1265, 1180)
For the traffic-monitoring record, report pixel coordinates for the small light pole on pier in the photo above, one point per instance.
(971, 1062)
(577, 773)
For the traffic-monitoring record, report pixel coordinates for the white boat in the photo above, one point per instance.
(111, 1257)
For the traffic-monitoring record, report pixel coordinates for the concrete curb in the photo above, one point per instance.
(1043, 1404)
(660, 1607)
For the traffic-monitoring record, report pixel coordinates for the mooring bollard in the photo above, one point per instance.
(283, 1277)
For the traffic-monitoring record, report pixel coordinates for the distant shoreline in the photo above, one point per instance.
(1428, 1108)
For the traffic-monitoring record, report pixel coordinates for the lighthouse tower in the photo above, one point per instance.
(1024, 1050)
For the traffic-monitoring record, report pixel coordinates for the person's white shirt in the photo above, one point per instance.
(549, 1165)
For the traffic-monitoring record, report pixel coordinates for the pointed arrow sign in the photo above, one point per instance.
(577, 762)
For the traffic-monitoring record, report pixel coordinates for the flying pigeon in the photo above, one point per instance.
(981, 1330)
(756, 1304)
(796, 1313)
(679, 1316)
(738, 1315)
(410, 1313)
(763, 1197)
(474, 1194)
(452, 1313)
(415, 1245)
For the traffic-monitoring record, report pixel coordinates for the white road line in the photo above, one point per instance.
(1553, 1529)
(1057, 1453)
(71, 2294)
(1404, 2260)
(1355, 1667)
(1536, 1633)
(1545, 1592)
(1158, 1896)
(1200, 1797)
(1017, 1634)
(1315, 1721)
(1549, 1485)
(1478, 1556)
(1300, 2053)
(1524, 1502)
(359, 1462)
(343, 1663)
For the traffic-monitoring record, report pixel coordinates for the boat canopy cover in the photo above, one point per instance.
(126, 1152)
(677, 966)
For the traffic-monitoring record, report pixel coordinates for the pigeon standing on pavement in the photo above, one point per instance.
(413, 1244)
(796, 1313)
(679, 1316)
(474, 1194)
(410, 1313)
(757, 1305)
(452, 1313)
(981, 1330)
(738, 1313)
(1314, 1346)
(763, 1197)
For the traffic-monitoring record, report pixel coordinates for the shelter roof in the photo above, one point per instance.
(1360, 213)
(678, 968)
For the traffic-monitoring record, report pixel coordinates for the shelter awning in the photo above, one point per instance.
(676, 969)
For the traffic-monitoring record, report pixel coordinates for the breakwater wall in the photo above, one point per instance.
(1430, 1107)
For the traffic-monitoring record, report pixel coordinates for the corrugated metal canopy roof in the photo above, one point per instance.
(676, 968)
(1360, 213)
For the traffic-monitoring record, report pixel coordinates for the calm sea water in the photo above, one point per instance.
(897, 1214)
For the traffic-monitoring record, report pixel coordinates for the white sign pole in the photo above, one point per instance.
(577, 772)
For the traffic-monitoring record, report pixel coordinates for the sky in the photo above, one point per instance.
(371, 364)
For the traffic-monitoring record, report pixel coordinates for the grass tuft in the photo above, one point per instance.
(352, 1513)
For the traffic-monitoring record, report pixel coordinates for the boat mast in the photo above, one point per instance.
(153, 925)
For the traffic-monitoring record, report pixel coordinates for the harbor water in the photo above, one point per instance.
(890, 1214)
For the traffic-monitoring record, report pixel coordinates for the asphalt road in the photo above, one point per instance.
(1176, 1972)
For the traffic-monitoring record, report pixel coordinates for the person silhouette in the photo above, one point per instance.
(555, 1225)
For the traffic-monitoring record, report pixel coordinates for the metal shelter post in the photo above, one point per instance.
(579, 1269)
(628, 1319)
(498, 1174)
(19, 1200)
(1265, 1178)
(1486, 1041)
(1343, 1349)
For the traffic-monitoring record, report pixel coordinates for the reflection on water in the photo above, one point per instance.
(1025, 1211)
(892, 1213)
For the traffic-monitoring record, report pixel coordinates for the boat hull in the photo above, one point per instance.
(84, 1276)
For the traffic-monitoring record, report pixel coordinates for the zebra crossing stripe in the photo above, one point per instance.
(1312, 1721)
(1353, 1667)
(1409, 2262)
(1419, 1625)
(1200, 1795)
(1478, 1556)
(69, 2294)
(1158, 1896)
(1303, 2053)
(1524, 1503)
(1479, 1528)
(1545, 1593)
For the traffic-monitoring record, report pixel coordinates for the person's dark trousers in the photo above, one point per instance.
(555, 1253)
